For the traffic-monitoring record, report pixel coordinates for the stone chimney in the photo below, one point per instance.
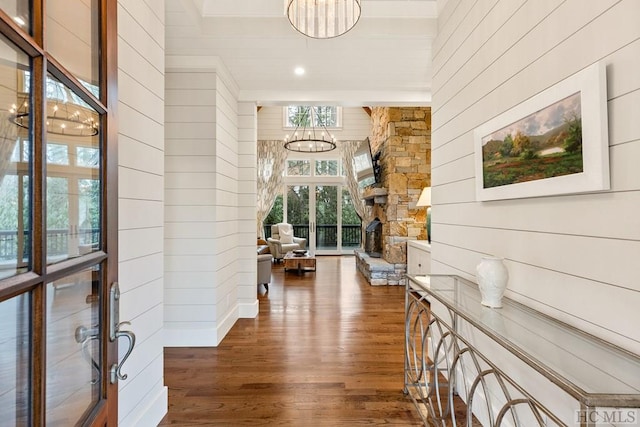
(403, 137)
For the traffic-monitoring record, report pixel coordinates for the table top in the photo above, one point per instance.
(291, 255)
(592, 370)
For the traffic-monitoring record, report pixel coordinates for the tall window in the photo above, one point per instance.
(315, 201)
(306, 115)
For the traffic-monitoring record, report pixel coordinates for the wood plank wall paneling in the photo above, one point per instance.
(190, 204)
(246, 214)
(575, 256)
(209, 207)
(142, 397)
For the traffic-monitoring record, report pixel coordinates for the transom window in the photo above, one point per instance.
(329, 116)
(303, 167)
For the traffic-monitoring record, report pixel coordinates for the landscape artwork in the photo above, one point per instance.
(544, 144)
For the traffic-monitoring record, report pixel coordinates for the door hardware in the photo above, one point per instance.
(115, 333)
(84, 336)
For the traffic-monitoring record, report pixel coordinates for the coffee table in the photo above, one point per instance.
(299, 263)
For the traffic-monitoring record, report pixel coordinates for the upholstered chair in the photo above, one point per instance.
(283, 241)
(264, 270)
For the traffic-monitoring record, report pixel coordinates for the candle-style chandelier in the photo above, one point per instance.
(307, 137)
(67, 114)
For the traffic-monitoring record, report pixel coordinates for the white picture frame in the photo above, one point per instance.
(501, 174)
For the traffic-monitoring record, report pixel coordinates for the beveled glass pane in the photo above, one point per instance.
(73, 347)
(15, 359)
(14, 162)
(19, 11)
(73, 38)
(73, 175)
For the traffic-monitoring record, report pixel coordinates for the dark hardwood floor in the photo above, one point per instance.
(325, 350)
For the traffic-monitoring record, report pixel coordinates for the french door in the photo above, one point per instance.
(324, 214)
(58, 213)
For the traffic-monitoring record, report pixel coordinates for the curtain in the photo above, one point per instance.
(271, 159)
(349, 149)
(8, 137)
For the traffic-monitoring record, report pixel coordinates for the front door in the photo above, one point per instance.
(58, 213)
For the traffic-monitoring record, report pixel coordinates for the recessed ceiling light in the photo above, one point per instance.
(299, 71)
(19, 21)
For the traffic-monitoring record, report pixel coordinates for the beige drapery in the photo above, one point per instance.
(271, 159)
(348, 150)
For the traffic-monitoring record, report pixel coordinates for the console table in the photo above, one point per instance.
(511, 366)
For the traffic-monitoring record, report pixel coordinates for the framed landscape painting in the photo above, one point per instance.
(553, 143)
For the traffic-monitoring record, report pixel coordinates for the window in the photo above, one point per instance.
(305, 116)
(87, 157)
(298, 168)
(326, 168)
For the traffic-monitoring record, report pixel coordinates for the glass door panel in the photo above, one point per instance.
(275, 216)
(52, 195)
(58, 230)
(15, 159)
(19, 11)
(298, 210)
(73, 347)
(325, 215)
(88, 215)
(73, 37)
(351, 224)
(15, 360)
(15, 247)
(73, 185)
(326, 218)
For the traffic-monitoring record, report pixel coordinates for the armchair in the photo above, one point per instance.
(283, 241)
(264, 270)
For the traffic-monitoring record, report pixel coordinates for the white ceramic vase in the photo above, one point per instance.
(492, 279)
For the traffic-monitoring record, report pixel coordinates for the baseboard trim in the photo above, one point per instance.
(205, 337)
(248, 310)
(153, 412)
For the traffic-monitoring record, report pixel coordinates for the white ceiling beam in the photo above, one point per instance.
(413, 98)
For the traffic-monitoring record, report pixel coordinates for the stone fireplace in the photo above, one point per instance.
(402, 135)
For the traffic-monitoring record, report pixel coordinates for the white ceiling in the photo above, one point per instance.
(384, 60)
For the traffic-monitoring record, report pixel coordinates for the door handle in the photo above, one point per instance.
(115, 372)
(84, 336)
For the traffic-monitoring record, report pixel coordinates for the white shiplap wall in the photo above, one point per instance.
(247, 161)
(574, 257)
(210, 176)
(143, 396)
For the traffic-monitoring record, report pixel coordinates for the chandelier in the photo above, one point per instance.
(67, 114)
(307, 138)
(323, 19)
